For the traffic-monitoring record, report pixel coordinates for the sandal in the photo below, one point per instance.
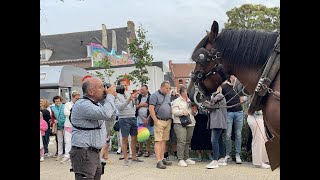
(139, 154)
(147, 154)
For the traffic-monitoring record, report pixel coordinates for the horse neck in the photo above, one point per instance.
(248, 77)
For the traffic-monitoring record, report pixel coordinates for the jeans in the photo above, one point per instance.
(234, 119)
(217, 145)
(45, 140)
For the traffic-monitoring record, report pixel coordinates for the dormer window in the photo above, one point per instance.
(89, 51)
(45, 54)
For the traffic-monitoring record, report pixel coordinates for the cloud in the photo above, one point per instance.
(174, 26)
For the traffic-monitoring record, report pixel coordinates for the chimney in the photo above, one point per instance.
(114, 40)
(131, 29)
(104, 36)
(170, 65)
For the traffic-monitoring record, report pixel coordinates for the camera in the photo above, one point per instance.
(119, 88)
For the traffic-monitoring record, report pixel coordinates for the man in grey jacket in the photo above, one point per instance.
(126, 105)
(88, 118)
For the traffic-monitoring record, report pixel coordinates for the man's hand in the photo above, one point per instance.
(144, 104)
(111, 90)
(145, 122)
(134, 95)
(156, 121)
(185, 112)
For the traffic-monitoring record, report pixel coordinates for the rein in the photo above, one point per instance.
(204, 57)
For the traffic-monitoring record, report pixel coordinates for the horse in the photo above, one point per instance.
(244, 54)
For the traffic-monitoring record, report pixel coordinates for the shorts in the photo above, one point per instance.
(128, 126)
(84, 162)
(151, 129)
(162, 130)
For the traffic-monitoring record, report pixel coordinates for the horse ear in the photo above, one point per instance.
(214, 31)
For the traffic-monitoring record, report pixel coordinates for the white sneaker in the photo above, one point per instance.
(65, 159)
(227, 158)
(47, 155)
(182, 163)
(265, 166)
(222, 162)
(58, 158)
(41, 159)
(189, 161)
(119, 151)
(213, 165)
(238, 159)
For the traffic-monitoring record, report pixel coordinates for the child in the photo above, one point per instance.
(43, 128)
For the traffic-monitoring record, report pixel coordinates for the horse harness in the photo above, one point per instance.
(269, 73)
(203, 57)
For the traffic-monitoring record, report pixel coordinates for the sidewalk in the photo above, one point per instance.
(51, 169)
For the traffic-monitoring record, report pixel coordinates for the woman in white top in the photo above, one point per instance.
(67, 125)
(182, 106)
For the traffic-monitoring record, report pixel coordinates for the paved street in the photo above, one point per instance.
(51, 169)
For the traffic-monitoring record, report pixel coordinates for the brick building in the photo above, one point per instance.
(180, 73)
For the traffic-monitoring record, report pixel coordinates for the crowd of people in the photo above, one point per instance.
(82, 127)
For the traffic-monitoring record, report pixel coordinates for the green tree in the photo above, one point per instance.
(125, 76)
(250, 16)
(138, 49)
(106, 64)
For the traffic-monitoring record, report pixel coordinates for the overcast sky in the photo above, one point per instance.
(174, 26)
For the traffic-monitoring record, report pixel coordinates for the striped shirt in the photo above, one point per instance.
(88, 115)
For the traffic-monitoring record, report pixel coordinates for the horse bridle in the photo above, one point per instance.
(202, 56)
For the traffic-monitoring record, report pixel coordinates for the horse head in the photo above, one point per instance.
(209, 72)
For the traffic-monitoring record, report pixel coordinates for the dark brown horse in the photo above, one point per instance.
(243, 53)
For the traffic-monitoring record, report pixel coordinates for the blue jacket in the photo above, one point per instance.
(59, 115)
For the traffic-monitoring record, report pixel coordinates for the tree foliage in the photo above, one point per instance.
(106, 64)
(138, 49)
(250, 16)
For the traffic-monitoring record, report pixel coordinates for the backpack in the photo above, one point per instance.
(139, 100)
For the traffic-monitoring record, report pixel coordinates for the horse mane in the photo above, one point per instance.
(245, 47)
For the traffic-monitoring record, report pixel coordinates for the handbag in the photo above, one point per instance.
(185, 120)
(151, 121)
(54, 128)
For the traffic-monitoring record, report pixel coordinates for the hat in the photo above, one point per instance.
(86, 77)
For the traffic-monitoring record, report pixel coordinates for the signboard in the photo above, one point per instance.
(99, 53)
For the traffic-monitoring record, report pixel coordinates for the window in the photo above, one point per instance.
(43, 55)
(187, 82)
(180, 81)
(89, 51)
